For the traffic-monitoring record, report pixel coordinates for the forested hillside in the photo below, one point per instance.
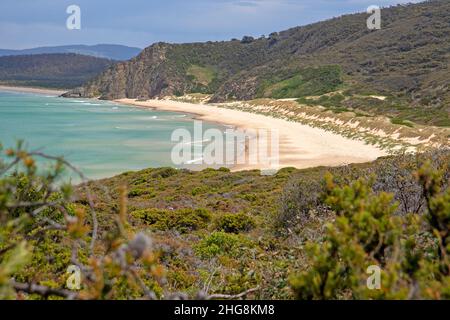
(50, 70)
(107, 51)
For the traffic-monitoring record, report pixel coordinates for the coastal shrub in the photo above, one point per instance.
(410, 251)
(141, 191)
(235, 223)
(222, 243)
(182, 220)
(183, 279)
(123, 262)
(239, 281)
(48, 256)
(402, 122)
(164, 172)
(327, 101)
(300, 197)
(303, 194)
(326, 258)
(199, 190)
(247, 39)
(396, 175)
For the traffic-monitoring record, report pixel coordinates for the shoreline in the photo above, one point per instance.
(301, 146)
(35, 90)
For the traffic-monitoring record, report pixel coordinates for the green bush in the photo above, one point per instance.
(164, 172)
(299, 198)
(235, 223)
(411, 250)
(200, 190)
(221, 243)
(402, 122)
(141, 191)
(329, 101)
(182, 220)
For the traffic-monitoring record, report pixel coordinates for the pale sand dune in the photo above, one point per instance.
(301, 146)
(50, 92)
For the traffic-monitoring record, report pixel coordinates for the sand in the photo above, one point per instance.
(301, 146)
(50, 92)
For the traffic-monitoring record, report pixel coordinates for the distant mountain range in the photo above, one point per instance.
(407, 62)
(58, 70)
(108, 51)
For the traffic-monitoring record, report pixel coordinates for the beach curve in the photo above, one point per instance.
(301, 146)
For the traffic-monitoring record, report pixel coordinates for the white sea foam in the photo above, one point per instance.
(194, 161)
(147, 118)
(88, 135)
(91, 104)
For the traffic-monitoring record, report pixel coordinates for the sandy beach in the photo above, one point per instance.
(301, 146)
(50, 92)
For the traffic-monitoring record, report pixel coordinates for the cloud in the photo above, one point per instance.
(19, 36)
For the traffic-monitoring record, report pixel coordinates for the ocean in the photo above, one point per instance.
(100, 138)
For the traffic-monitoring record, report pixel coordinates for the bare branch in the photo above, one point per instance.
(44, 291)
(231, 297)
(85, 181)
(10, 166)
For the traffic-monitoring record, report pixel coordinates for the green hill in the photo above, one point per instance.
(407, 61)
(107, 51)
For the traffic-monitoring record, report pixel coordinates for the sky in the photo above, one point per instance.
(33, 23)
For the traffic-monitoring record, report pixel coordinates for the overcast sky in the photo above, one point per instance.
(31, 23)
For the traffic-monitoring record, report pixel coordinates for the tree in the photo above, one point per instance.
(247, 39)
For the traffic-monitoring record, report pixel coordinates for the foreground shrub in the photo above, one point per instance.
(300, 197)
(42, 233)
(303, 196)
(410, 250)
(221, 243)
(235, 223)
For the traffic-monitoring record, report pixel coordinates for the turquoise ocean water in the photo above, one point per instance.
(100, 138)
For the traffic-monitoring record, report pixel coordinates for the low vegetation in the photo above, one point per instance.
(308, 234)
(334, 112)
(183, 220)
